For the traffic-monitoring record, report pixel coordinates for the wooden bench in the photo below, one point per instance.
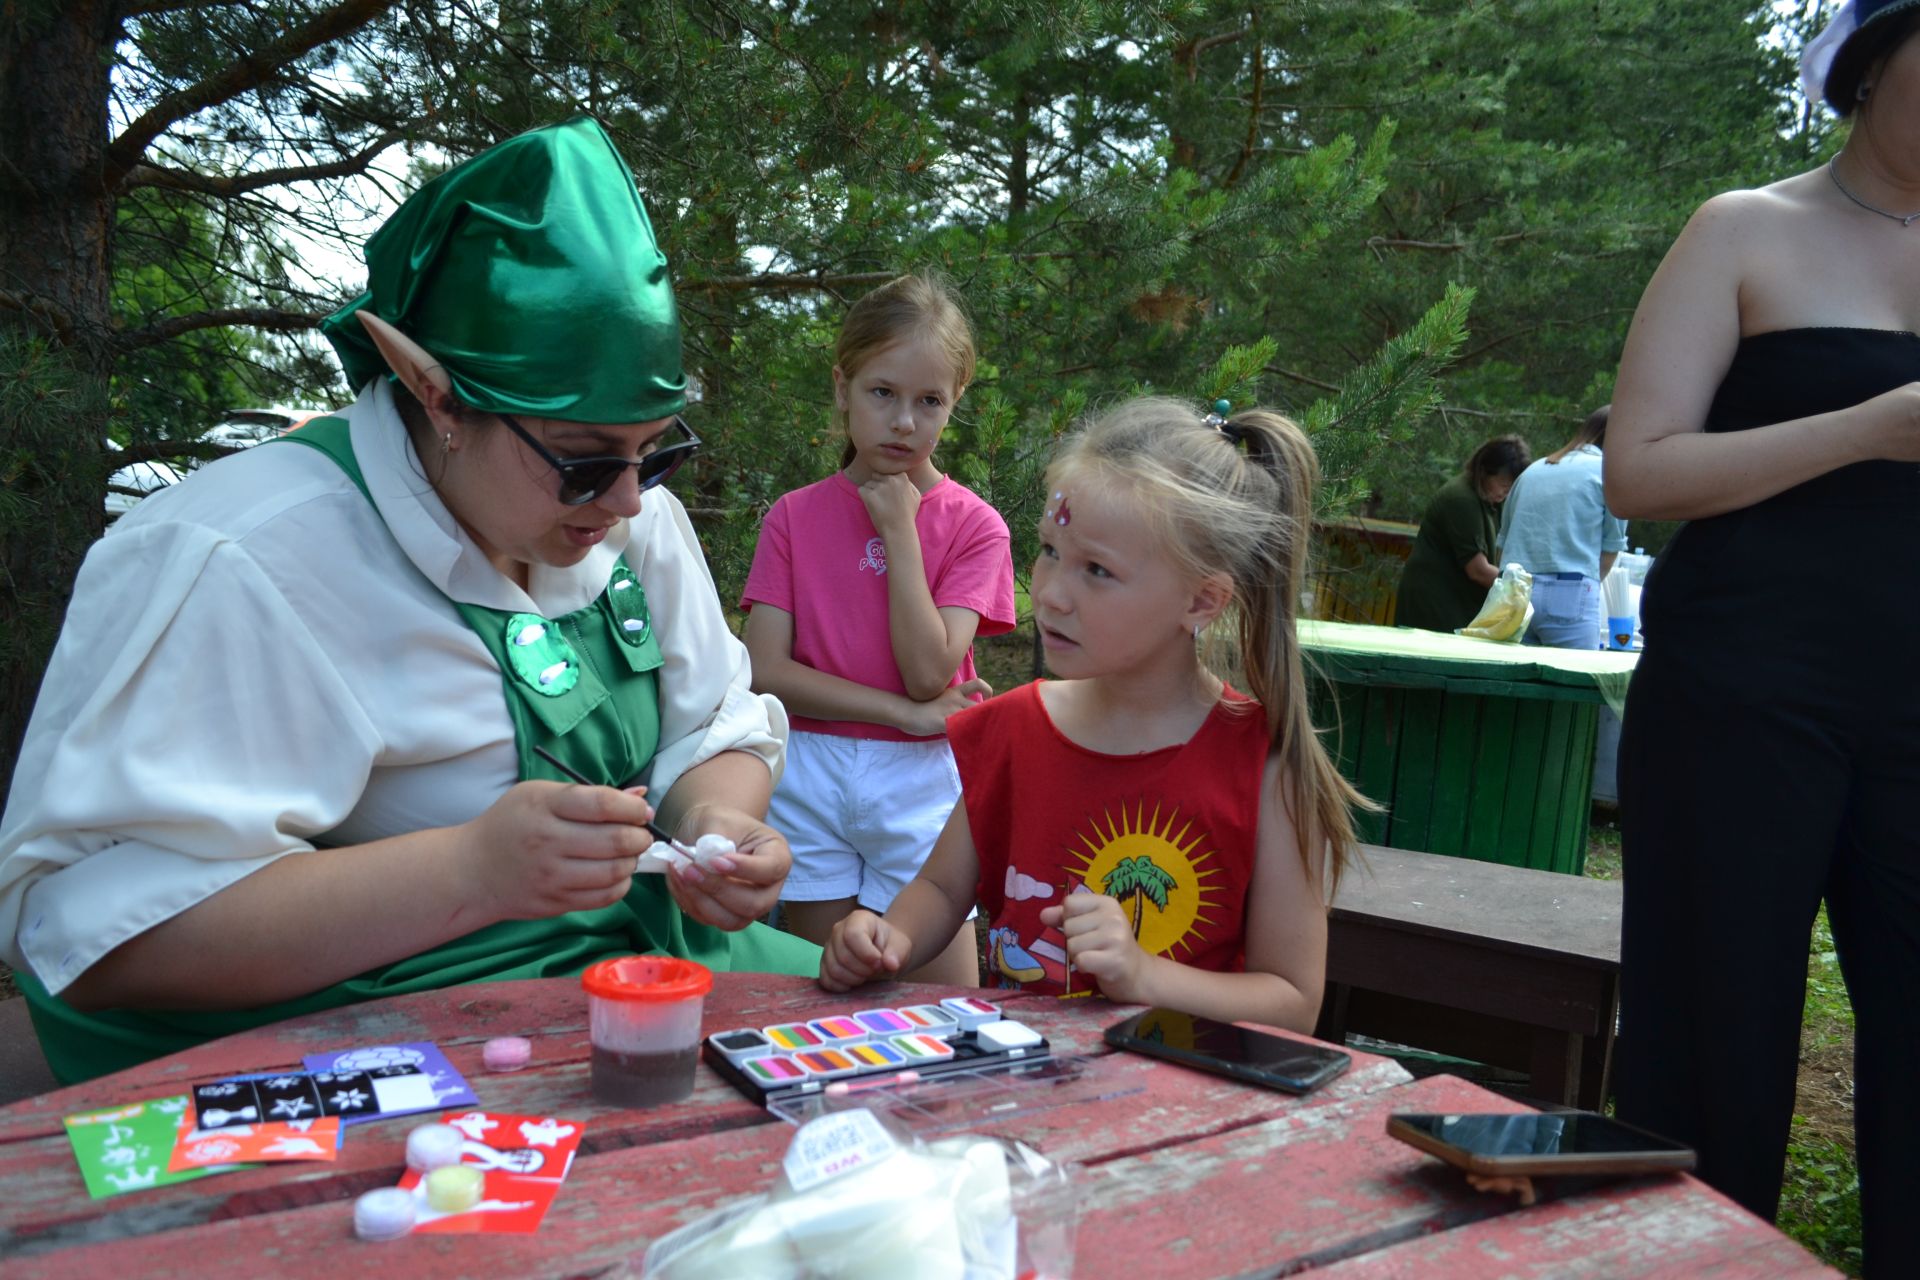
(1503, 965)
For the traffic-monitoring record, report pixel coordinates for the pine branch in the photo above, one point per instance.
(789, 281)
(250, 72)
(56, 317)
(152, 8)
(149, 175)
(168, 451)
(1442, 246)
(255, 317)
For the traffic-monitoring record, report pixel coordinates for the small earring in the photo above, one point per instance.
(1861, 91)
(1196, 630)
(446, 443)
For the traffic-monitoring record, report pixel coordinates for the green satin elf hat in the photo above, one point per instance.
(531, 274)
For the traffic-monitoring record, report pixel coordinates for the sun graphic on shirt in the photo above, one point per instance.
(1158, 867)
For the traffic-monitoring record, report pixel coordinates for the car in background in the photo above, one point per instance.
(238, 429)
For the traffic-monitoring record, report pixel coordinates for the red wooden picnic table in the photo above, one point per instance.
(1183, 1174)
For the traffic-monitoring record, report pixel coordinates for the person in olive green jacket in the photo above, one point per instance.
(1451, 567)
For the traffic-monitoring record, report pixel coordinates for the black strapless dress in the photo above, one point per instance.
(1812, 563)
(1771, 758)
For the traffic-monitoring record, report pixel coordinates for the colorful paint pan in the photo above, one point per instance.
(932, 1019)
(738, 1046)
(970, 1012)
(877, 1056)
(884, 1022)
(825, 1064)
(837, 1031)
(792, 1036)
(920, 1047)
(774, 1072)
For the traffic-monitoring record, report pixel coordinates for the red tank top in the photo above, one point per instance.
(1169, 834)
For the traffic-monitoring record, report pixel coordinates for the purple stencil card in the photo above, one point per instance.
(450, 1088)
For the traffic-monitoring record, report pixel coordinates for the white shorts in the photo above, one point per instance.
(860, 814)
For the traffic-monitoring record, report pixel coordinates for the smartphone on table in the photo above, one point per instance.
(1264, 1058)
(1537, 1143)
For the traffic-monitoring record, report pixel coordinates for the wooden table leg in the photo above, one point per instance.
(1332, 1026)
(1555, 1070)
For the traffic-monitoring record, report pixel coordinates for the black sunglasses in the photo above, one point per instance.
(584, 479)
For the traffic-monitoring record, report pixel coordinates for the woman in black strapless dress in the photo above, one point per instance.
(1769, 393)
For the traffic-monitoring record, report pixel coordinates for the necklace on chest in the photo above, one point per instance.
(1904, 219)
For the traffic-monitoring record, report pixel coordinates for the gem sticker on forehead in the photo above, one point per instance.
(1058, 512)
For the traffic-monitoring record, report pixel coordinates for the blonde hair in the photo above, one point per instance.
(1234, 500)
(903, 308)
(1592, 432)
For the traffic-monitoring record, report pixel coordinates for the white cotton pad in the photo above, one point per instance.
(710, 846)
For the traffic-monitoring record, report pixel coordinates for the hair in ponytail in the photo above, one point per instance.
(1236, 499)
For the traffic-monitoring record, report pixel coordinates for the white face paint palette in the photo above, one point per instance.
(870, 1048)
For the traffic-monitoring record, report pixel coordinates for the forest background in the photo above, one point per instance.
(1411, 224)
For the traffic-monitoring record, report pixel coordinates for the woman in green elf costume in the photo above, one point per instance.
(284, 757)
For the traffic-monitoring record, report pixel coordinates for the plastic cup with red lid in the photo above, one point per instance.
(643, 1016)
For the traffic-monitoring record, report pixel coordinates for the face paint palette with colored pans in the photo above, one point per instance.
(868, 1048)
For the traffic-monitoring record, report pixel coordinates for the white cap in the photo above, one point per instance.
(1816, 59)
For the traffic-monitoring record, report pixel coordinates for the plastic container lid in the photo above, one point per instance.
(656, 979)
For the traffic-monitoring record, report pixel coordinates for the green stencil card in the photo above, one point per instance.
(122, 1149)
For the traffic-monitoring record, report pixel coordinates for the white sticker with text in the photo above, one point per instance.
(834, 1144)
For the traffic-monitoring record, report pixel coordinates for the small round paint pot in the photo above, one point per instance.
(455, 1188)
(506, 1053)
(385, 1214)
(433, 1146)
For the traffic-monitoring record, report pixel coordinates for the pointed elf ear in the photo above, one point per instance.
(409, 361)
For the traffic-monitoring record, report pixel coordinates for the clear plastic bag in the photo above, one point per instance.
(1508, 607)
(861, 1198)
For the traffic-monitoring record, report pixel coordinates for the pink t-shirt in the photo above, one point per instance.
(821, 560)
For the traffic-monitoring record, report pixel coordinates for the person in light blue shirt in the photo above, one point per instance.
(1556, 525)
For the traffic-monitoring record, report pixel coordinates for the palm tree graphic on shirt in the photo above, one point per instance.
(1135, 882)
(1143, 851)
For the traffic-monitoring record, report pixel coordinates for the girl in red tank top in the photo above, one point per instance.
(1136, 828)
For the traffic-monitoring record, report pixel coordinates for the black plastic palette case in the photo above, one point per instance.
(868, 1047)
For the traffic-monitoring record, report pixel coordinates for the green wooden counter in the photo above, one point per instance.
(1479, 750)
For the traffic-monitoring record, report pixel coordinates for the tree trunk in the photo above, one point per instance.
(56, 341)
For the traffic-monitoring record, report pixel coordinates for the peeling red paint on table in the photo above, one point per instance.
(1184, 1174)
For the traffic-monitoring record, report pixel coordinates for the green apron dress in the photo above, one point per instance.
(585, 688)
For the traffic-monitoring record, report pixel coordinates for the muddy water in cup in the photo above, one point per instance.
(643, 1079)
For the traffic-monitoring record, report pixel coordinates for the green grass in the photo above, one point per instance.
(1820, 1201)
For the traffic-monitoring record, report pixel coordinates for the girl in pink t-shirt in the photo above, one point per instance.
(866, 592)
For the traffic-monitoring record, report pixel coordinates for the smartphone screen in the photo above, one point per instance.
(1574, 1133)
(1575, 1142)
(1245, 1054)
